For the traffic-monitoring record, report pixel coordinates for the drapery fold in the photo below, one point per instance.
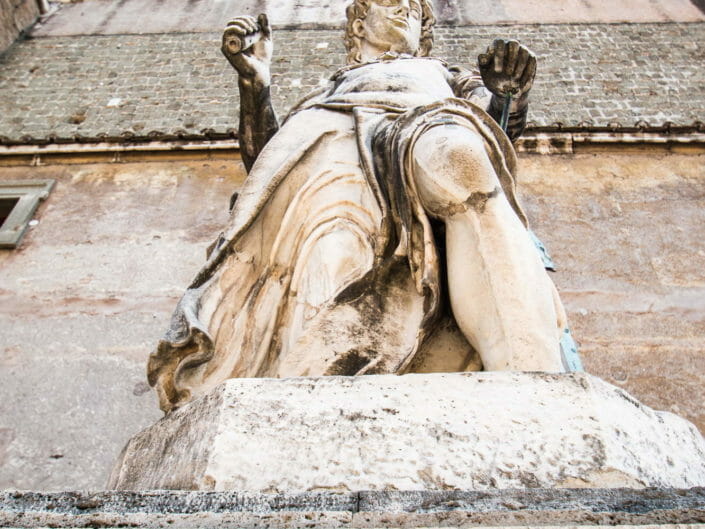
(275, 299)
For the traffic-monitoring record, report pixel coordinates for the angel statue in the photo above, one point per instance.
(378, 230)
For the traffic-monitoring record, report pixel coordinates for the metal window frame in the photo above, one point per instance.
(29, 193)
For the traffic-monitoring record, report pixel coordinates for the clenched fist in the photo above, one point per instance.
(507, 67)
(247, 44)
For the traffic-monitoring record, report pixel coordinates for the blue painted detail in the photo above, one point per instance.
(569, 352)
(548, 263)
(504, 121)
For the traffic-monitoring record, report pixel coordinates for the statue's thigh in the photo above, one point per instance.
(450, 164)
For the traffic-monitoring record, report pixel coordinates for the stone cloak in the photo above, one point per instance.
(334, 172)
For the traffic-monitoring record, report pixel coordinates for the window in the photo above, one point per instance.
(18, 202)
(6, 205)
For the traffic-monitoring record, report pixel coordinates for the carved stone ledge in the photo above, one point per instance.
(652, 508)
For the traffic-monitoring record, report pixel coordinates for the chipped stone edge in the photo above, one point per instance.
(557, 507)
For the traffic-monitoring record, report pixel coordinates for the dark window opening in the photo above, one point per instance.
(6, 207)
(19, 200)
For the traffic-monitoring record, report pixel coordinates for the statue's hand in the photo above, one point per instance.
(507, 68)
(247, 44)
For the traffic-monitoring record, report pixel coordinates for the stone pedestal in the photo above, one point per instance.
(467, 431)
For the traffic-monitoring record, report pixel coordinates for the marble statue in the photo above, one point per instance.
(378, 230)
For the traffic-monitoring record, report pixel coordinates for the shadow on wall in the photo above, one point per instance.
(700, 4)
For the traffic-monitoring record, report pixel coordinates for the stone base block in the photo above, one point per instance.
(467, 431)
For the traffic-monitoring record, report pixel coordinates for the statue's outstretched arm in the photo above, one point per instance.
(508, 67)
(247, 44)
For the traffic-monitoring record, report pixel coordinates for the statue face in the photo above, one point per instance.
(393, 25)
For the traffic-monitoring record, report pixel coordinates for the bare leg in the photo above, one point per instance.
(501, 296)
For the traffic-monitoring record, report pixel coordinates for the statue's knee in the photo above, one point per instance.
(452, 170)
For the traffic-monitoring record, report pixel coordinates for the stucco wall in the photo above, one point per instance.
(15, 16)
(90, 291)
(626, 232)
(82, 303)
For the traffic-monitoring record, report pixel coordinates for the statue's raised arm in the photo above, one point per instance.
(508, 68)
(247, 44)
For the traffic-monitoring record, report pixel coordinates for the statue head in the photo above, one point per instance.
(410, 39)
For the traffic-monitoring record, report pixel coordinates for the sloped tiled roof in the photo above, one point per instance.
(591, 76)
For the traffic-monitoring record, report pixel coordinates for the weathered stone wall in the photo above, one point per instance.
(589, 74)
(626, 234)
(15, 17)
(82, 303)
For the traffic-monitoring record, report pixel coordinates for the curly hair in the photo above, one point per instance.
(358, 10)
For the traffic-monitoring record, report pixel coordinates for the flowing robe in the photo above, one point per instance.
(329, 265)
